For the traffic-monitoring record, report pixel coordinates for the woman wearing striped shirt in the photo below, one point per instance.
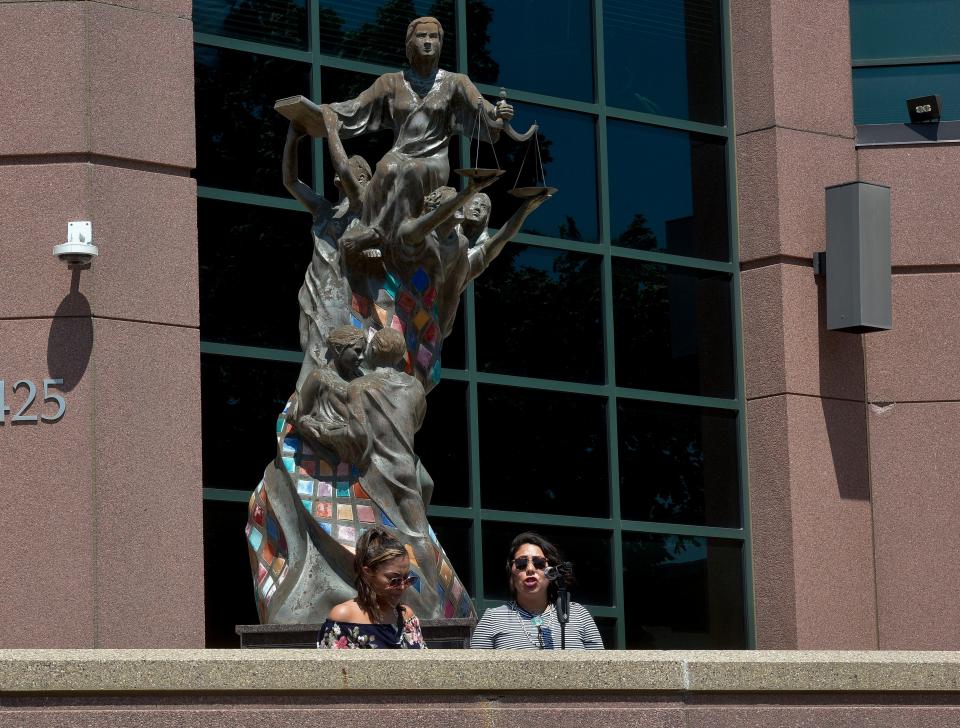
(529, 622)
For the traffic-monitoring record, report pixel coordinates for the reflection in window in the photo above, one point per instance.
(227, 590)
(697, 585)
(279, 22)
(241, 401)
(239, 136)
(673, 329)
(543, 452)
(441, 444)
(668, 191)
(678, 464)
(880, 92)
(590, 551)
(664, 57)
(455, 535)
(375, 30)
(904, 29)
(539, 314)
(252, 262)
(568, 152)
(557, 60)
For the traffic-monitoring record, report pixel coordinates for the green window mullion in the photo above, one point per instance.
(316, 91)
(249, 46)
(248, 198)
(731, 160)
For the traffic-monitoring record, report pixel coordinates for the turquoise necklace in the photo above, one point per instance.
(536, 620)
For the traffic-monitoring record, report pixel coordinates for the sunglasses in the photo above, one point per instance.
(520, 563)
(403, 582)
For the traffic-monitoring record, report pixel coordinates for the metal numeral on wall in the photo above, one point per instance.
(48, 396)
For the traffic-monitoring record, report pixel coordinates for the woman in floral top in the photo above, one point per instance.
(376, 618)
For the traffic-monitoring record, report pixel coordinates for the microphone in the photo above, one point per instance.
(555, 572)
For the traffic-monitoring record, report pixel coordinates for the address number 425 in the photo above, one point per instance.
(48, 396)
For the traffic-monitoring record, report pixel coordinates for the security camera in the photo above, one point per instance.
(79, 250)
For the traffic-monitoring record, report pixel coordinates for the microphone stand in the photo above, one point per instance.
(563, 608)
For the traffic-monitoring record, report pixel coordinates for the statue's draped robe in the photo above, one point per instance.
(422, 127)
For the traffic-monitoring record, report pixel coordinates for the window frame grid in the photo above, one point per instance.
(475, 514)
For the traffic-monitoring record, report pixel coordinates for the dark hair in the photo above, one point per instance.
(551, 552)
(374, 547)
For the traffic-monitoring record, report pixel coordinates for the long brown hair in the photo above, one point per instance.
(376, 546)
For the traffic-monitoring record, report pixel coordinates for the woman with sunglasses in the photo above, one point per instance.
(376, 618)
(529, 622)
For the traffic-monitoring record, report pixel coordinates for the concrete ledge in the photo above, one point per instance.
(463, 671)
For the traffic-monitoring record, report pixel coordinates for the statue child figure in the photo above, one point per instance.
(371, 422)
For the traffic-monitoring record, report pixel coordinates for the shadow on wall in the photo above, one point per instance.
(843, 387)
(71, 337)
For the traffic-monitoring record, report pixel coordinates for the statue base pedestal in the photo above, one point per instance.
(443, 634)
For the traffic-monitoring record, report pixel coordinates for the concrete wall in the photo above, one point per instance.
(852, 438)
(102, 526)
(310, 688)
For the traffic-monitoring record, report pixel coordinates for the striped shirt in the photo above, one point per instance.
(510, 627)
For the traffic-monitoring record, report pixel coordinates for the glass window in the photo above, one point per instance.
(668, 190)
(242, 399)
(678, 464)
(543, 452)
(664, 57)
(672, 328)
(539, 314)
(279, 22)
(590, 551)
(698, 588)
(375, 30)
(557, 60)
(904, 28)
(239, 136)
(252, 263)
(227, 588)
(880, 92)
(442, 444)
(456, 537)
(607, 627)
(568, 152)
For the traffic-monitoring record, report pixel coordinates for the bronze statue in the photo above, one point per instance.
(390, 261)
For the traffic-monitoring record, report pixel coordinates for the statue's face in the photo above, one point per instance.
(348, 361)
(426, 40)
(477, 210)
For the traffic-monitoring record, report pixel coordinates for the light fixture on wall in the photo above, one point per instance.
(924, 109)
(79, 251)
(857, 260)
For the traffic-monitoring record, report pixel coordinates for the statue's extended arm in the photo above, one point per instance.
(338, 156)
(291, 180)
(414, 231)
(483, 254)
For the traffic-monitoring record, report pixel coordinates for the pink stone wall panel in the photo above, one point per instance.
(924, 200)
(48, 531)
(811, 65)
(781, 176)
(150, 566)
(146, 226)
(790, 349)
(141, 86)
(832, 529)
(771, 524)
(823, 716)
(751, 32)
(42, 54)
(918, 359)
(916, 496)
(176, 8)
(481, 711)
(38, 202)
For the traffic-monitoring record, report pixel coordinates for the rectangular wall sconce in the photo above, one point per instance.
(858, 258)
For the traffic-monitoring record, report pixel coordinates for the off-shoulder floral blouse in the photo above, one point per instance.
(351, 636)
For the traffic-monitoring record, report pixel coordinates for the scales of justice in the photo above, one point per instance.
(391, 258)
